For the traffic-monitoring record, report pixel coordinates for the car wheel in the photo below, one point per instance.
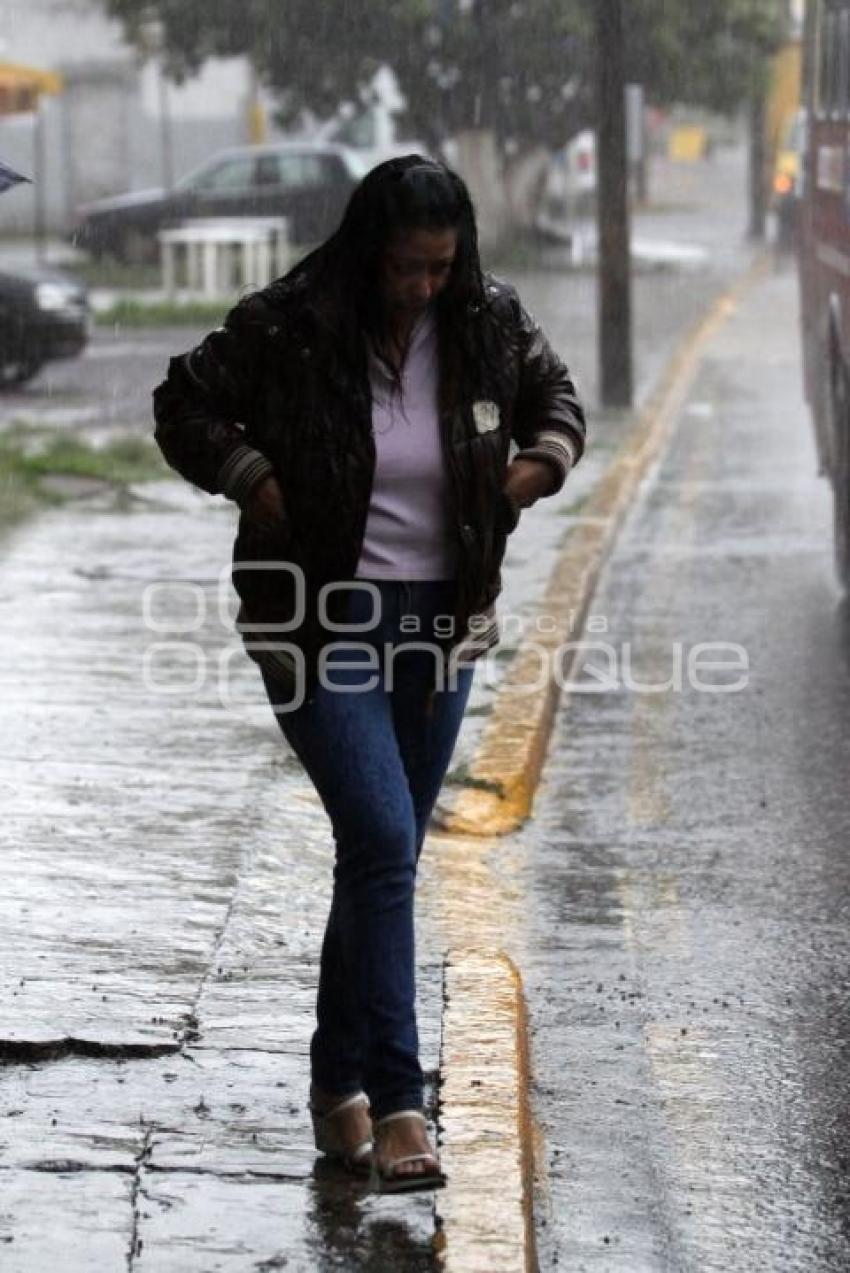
(16, 371)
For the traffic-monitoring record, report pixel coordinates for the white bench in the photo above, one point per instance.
(212, 257)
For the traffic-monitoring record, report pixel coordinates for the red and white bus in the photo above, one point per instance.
(824, 250)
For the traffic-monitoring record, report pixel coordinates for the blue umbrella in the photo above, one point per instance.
(9, 178)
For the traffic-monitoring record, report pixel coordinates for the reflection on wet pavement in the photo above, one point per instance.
(167, 874)
(687, 935)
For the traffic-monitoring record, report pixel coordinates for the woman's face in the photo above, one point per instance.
(415, 269)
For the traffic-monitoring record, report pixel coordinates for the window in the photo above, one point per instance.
(839, 105)
(230, 174)
(831, 54)
(293, 172)
(826, 59)
(839, 61)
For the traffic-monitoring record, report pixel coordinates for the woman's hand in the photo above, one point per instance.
(527, 480)
(265, 504)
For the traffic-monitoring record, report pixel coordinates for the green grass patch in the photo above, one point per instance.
(462, 777)
(162, 314)
(480, 709)
(574, 507)
(503, 653)
(29, 455)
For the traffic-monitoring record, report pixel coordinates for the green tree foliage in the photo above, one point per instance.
(512, 65)
(523, 68)
(314, 53)
(711, 54)
(518, 68)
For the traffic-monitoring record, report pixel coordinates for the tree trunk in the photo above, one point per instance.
(615, 305)
(524, 175)
(506, 192)
(476, 157)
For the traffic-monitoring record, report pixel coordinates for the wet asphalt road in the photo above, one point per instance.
(109, 387)
(686, 943)
(697, 208)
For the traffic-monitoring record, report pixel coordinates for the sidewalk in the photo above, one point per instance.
(168, 872)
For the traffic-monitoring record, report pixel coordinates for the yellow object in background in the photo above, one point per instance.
(787, 169)
(22, 86)
(783, 96)
(687, 144)
(257, 129)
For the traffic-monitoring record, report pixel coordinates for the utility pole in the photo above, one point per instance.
(614, 276)
(257, 127)
(166, 136)
(39, 172)
(152, 36)
(757, 173)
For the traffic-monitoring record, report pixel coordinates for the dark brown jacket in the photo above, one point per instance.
(258, 397)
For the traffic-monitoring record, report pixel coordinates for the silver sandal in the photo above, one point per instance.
(386, 1178)
(328, 1137)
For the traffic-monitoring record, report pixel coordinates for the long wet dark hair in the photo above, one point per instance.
(338, 283)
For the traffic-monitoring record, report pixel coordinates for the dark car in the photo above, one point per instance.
(307, 182)
(44, 315)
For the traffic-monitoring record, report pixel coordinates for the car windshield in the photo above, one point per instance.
(291, 170)
(228, 174)
(357, 165)
(190, 180)
(205, 177)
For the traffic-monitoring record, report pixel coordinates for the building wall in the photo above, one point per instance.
(104, 134)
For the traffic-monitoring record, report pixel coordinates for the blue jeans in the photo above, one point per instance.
(377, 758)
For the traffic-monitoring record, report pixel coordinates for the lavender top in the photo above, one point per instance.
(406, 529)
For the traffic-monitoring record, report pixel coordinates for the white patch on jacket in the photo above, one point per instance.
(486, 416)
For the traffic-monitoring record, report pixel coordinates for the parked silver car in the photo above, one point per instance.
(307, 182)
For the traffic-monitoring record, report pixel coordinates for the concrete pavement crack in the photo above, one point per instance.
(191, 1031)
(237, 1174)
(15, 1050)
(142, 1157)
(62, 1166)
(20, 1050)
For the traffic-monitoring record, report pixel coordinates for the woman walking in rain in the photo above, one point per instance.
(361, 412)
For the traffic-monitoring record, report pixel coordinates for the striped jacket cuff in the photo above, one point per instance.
(481, 636)
(556, 449)
(243, 469)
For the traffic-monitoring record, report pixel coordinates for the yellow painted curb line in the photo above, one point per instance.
(485, 1214)
(489, 1142)
(505, 771)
